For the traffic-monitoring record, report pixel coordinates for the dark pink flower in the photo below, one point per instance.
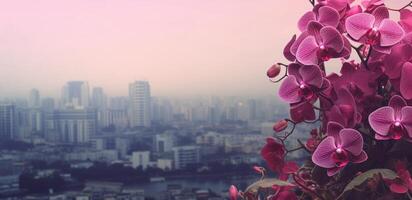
(287, 52)
(344, 111)
(375, 29)
(398, 66)
(371, 4)
(404, 182)
(359, 81)
(273, 153)
(321, 44)
(341, 146)
(233, 192)
(302, 84)
(300, 112)
(290, 168)
(406, 20)
(280, 125)
(336, 4)
(393, 121)
(325, 15)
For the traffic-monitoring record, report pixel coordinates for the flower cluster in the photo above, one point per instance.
(363, 112)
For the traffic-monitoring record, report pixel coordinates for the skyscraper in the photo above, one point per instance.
(139, 111)
(7, 121)
(99, 99)
(75, 94)
(34, 98)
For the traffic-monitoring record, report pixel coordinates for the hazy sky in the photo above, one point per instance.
(183, 47)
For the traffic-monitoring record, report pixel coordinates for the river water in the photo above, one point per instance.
(218, 185)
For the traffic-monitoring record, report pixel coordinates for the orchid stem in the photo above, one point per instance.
(409, 195)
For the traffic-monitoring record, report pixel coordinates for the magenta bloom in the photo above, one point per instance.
(273, 153)
(336, 4)
(375, 29)
(371, 4)
(319, 44)
(341, 146)
(393, 121)
(233, 192)
(325, 15)
(302, 84)
(406, 20)
(360, 81)
(402, 184)
(398, 66)
(344, 111)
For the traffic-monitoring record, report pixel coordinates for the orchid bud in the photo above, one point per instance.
(233, 192)
(280, 125)
(259, 169)
(273, 71)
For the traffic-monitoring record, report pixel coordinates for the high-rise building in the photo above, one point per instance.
(163, 142)
(139, 94)
(185, 155)
(7, 121)
(48, 104)
(75, 94)
(99, 99)
(71, 125)
(99, 102)
(34, 98)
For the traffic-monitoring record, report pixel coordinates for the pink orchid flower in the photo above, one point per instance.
(393, 121)
(341, 146)
(375, 29)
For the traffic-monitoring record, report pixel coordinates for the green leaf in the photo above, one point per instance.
(358, 180)
(266, 183)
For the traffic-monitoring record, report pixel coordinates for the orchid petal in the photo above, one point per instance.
(289, 90)
(391, 32)
(380, 13)
(307, 52)
(323, 153)
(305, 19)
(359, 24)
(331, 38)
(381, 119)
(286, 51)
(407, 119)
(333, 130)
(406, 81)
(311, 75)
(397, 102)
(351, 140)
(328, 16)
(362, 157)
(398, 188)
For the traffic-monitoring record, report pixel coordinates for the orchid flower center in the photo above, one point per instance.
(306, 92)
(396, 130)
(323, 53)
(372, 36)
(340, 157)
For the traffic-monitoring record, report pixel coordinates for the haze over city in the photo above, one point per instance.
(218, 47)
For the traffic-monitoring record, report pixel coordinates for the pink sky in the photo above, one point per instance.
(183, 47)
